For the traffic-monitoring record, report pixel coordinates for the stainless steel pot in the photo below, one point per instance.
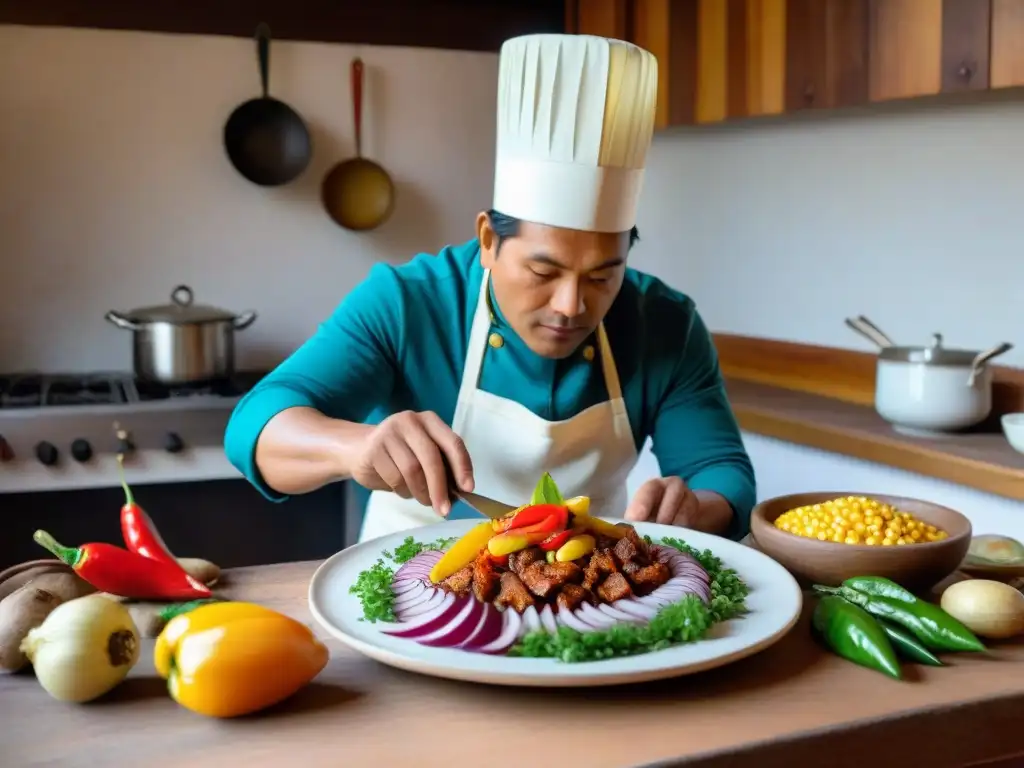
(182, 342)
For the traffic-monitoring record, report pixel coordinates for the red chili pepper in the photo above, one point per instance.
(140, 535)
(555, 540)
(126, 574)
(531, 516)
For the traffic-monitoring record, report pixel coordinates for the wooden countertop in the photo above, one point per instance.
(979, 460)
(786, 706)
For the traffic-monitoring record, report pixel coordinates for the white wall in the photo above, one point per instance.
(910, 215)
(114, 186)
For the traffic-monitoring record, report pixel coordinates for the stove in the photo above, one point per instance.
(60, 438)
(61, 431)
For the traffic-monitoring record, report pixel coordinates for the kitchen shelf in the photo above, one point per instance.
(981, 460)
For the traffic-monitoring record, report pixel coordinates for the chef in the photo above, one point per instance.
(531, 348)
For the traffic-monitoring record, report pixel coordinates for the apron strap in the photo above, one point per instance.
(474, 354)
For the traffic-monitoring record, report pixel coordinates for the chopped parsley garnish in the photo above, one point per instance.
(373, 587)
(682, 622)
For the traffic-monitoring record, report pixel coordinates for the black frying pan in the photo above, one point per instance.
(265, 139)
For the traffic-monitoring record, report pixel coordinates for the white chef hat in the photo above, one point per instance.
(575, 120)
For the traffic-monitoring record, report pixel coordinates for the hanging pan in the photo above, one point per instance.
(266, 140)
(358, 193)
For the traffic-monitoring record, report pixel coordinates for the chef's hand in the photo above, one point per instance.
(406, 453)
(669, 501)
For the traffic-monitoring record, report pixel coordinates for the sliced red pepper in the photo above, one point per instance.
(556, 540)
(126, 574)
(530, 516)
(500, 560)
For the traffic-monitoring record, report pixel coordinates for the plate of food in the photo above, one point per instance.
(552, 596)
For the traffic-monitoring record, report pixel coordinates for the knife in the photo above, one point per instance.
(485, 506)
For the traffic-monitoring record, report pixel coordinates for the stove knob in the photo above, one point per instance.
(173, 443)
(47, 453)
(6, 452)
(81, 450)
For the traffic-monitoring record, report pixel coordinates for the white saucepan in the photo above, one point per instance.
(931, 388)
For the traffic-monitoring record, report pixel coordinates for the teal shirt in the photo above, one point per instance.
(398, 342)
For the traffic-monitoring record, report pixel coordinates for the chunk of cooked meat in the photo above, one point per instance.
(602, 562)
(647, 578)
(544, 578)
(633, 545)
(460, 582)
(486, 581)
(614, 587)
(513, 593)
(603, 542)
(520, 561)
(571, 595)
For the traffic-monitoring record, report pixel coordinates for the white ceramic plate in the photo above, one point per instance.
(774, 603)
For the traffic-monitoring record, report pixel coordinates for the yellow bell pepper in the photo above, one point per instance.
(230, 659)
(514, 541)
(575, 548)
(596, 525)
(578, 505)
(462, 552)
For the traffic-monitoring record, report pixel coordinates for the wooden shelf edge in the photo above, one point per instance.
(983, 476)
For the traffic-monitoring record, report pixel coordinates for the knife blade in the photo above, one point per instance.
(485, 506)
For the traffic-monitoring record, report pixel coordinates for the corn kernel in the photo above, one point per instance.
(858, 520)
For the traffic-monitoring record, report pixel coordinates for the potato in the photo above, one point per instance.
(200, 570)
(66, 586)
(17, 576)
(20, 612)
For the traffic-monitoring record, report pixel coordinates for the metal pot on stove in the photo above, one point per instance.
(930, 388)
(182, 342)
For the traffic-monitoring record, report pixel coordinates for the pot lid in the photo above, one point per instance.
(936, 354)
(180, 310)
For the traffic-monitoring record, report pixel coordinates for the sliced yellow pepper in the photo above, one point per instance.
(575, 548)
(230, 659)
(578, 505)
(515, 541)
(462, 552)
(598, 526)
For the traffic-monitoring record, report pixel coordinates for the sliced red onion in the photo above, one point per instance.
(412, 602)
(531, 620)
(487, 629)
(458, 629)
(547, 620)
(595, 618)
(426, 622)
(619, 615)
(656, 601)
(407, 612)
(413, 573)
(511, 627)
(638, 610)
(400, 588)
(571, 620)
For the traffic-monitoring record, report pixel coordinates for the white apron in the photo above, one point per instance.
(590, 454)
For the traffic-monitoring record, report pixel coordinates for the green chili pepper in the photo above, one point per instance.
(930, 624)
(877, 586)
(853, 634)
(908, 646)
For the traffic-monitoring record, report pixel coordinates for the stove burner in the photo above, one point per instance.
(33, 390)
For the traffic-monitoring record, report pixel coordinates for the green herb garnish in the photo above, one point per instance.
(682, 622)
(373, 587)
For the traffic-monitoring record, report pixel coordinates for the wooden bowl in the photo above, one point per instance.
(914, 566)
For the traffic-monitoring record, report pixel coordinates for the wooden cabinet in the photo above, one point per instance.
(732, 59)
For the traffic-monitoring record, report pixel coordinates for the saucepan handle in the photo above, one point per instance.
(978, 364)
(116, 318)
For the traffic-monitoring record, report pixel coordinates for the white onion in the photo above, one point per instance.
(84, 648)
